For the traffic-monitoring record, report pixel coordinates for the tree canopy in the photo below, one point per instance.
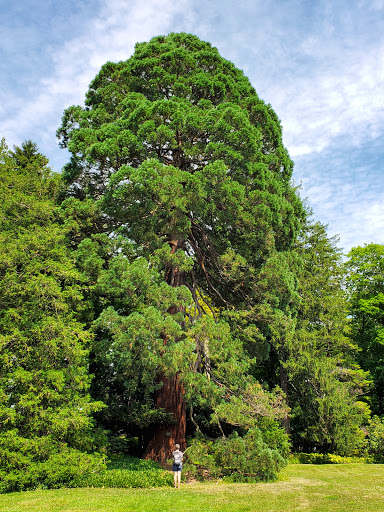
(327, 387)
(45, 410)
(365, 285)
(187, 164)
(171, 283)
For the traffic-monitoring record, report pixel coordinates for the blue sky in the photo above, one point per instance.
(319, 63)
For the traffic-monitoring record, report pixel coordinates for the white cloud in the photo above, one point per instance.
(111, 35)
(343, 185)
(361, 222)
(347, 101)
(320, 88)
(320, 65)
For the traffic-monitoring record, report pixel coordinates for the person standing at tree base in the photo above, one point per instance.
(177, 465)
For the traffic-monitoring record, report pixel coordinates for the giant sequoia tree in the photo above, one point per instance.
(187, 164)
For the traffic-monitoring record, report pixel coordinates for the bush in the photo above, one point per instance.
(376, 439)
(200, 460)
(61, 469)
(324, 458)
(71, 468)
(124, 478)
(236, 458)
(274, 436)
(125, 471)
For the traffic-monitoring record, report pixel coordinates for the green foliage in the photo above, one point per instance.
(129, 345)
(274, 436)
(127, 472)
(126, 479)
(61, 469)
(175, 250)
(72, 468)
(45, 409)
(327, 386)
(324, 458)
(246, 458)
(322, 319)
(375, 430)
(365, 286)
(191, 184)
(205, 164)
(328, 415)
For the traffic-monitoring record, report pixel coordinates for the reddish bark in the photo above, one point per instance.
(170, 396)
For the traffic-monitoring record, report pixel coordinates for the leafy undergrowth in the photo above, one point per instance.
(325, 458)
(128, 472)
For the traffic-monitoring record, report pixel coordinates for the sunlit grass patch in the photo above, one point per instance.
(313, 488)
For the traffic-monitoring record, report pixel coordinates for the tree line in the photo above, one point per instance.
(171, 283)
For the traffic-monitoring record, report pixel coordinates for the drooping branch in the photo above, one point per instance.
(193, 419)
(201, 257)
(219, 425)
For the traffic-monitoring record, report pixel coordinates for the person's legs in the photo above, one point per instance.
(175, 478)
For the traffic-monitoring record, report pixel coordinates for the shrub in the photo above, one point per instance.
(200, 458)
(62, 469)
(324, 458)
(124, 478)
(125, 471)
(237, 458)
(376, 439)
(274, 436)
(71, 468)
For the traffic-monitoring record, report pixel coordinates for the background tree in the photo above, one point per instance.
(188, 164)
(365, 285)
(45, 410)
(326, 384)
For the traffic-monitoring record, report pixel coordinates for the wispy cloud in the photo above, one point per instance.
(110, 35)
(343, 185)
(320, 64)
(335, 102)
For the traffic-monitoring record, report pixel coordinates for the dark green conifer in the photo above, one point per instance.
(188, 164)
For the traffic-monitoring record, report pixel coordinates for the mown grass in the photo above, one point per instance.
(310, 488)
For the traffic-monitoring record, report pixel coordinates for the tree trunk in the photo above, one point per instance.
(170, 396)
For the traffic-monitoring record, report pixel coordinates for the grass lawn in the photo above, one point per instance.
(322, 488)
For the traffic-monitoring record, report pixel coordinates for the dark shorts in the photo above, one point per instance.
(176, 467)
